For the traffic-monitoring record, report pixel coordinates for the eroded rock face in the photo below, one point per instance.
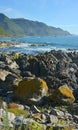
(63, 94)
(32, 88)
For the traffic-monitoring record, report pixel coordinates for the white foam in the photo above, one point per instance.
(22, 45)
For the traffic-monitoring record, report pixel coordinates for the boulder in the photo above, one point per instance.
(6, 81)
(57, 112)
(2, 65)
(3, 74)
(33, 88)
(16, 55)
(18, 120)
(15, 105)
(13, 65)
(63, 94)
(53, 119)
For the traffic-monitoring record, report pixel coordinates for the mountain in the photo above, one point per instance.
(22, 27)
(8, 27)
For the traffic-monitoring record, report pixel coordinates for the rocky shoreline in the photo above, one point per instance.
(40, 92)
(8, 44)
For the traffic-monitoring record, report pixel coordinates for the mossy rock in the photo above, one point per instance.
(34, 126)
(16, 56)
(18, 112)
(31, 88)
(63, 94)
(13, 105)
(49, 127)
(61, 121)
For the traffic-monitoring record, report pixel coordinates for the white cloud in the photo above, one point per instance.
(8, 10)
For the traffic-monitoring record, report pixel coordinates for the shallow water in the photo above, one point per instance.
(34, 45)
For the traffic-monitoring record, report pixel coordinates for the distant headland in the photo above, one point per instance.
(21, 27)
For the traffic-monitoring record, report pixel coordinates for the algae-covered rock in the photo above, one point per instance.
(34, 126)
(13, 105)
(31, 88)
(49, 127)
(18, 111)
(16, 56)
(63, 94)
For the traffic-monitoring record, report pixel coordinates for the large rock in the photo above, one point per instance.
(63, 94)
(34, 88)
(53, 119)
(57, 112)
(3, 74)
(8, 82)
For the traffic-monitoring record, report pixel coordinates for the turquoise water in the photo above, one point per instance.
(33, 45)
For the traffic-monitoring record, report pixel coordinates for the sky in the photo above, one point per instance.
(57, 13)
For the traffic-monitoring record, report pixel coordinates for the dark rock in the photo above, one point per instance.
(55, 67)
(34, 109)
(76, 118)
(74, 108)
(28, 74)
(57, 112)
(76, 92)
(60, 127)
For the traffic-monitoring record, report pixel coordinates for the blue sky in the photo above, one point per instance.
(58, 13)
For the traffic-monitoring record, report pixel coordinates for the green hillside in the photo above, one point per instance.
(2, 31)
(35, 28)
(21, 27)
(8, 27)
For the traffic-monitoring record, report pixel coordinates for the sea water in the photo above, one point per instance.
(35, 45)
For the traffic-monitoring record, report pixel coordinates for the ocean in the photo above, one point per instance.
(35, 45)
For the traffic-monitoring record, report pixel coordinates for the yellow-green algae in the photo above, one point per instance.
(17, 111)
(28, 88)
(63, 91)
